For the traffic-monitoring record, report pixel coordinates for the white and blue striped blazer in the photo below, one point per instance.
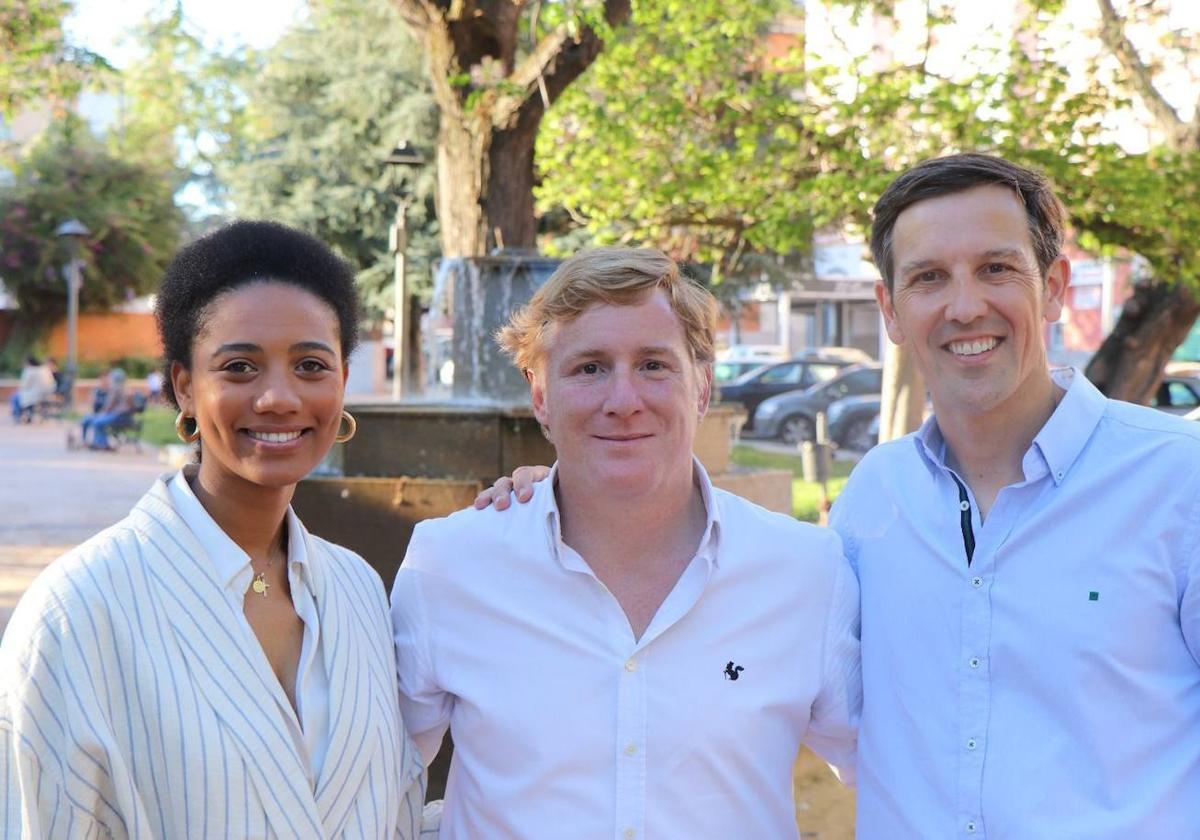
(135, 703)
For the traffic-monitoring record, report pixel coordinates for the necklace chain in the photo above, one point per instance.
(259, 585)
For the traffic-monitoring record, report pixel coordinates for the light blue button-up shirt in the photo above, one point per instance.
(1051, 687)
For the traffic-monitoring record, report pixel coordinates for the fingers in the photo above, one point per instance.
(497, 494)
(501, 493)
(524, 478)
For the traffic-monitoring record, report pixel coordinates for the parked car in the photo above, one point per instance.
(793, 375)
(854, 422)
(847, 354)
(1177, 394)
(726, 371)
(763, 353)
(793, 416)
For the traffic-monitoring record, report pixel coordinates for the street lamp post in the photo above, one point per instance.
(403, 364)
(73, 232)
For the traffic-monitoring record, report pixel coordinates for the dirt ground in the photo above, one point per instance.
(824, 807)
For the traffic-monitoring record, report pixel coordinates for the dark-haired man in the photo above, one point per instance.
(1029, 560)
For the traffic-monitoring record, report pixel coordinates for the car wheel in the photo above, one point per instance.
(858, 435)
(796, 428)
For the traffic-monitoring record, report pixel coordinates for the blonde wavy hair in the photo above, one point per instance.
(614, 276)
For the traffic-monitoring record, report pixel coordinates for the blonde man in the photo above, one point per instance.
(652, 651)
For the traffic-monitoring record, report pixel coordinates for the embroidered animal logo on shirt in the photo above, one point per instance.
(732, 672)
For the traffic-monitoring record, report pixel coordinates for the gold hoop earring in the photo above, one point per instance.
(181, 428)
(351, 427)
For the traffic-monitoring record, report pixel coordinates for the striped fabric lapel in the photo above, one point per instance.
(221, 659)
(345, 611)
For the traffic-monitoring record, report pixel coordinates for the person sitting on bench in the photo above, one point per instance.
(117, 406)
(36, 386)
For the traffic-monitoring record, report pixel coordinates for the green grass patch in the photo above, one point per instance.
(806, 495)
(158, 426)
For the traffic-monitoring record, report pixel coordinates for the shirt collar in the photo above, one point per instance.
(1070, 427)
(227, 557)
(1060, 440)
(709, 540)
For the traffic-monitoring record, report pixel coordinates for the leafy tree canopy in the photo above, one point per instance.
(675, 136)
(182, 101)
(134, 224)
(38, 63)
(325, 106)
(718, 141)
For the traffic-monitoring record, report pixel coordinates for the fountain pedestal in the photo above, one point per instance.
(411, 462)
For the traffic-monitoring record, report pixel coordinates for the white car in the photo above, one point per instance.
(763, 353)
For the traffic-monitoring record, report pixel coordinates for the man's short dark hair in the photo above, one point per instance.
(955, 173)
(236, 255)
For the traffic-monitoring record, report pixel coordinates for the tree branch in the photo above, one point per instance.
(555, 62)
(432, 31)
(1112, 33)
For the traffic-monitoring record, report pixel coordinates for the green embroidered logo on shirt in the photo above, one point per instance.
(1093, 596)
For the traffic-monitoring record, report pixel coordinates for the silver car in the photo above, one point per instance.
(792, 416)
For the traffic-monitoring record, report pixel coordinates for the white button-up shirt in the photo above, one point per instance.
(567, 726)
(311, 730)
(1051, 688)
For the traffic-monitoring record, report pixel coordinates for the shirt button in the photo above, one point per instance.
(970, 743)
(630, 749)
(974, 662)
(971, 826)
(630, 834)
(977, 582)
(631, 665)
(964, 506)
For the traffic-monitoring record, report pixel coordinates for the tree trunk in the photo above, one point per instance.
(488, 124)
(1155, 321)
(508, 202)
(461, 161)
(903, 400)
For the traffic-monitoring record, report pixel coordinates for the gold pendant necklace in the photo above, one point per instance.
(259, 585)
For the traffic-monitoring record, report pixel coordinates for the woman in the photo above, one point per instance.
(36, 386)
(206, 667)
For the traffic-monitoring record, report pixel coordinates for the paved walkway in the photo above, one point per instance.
(52, 499)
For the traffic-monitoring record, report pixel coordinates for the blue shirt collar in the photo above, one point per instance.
(1059, 442)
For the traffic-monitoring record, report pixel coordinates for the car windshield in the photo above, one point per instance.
(748, 375)
(823, 373)
(731, 371)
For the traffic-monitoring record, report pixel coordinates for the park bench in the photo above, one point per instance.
(128, 429)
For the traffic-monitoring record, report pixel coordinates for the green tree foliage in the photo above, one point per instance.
(182, 101)
(714, 141)
(134, 225)
(717, 141)
(325, 106)
(37, 63)
(676, 135)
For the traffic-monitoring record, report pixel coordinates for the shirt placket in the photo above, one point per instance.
(975, 690)
(631, 747)
(974, 684)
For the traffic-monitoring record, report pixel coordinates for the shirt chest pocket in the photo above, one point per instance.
(1112, 603)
